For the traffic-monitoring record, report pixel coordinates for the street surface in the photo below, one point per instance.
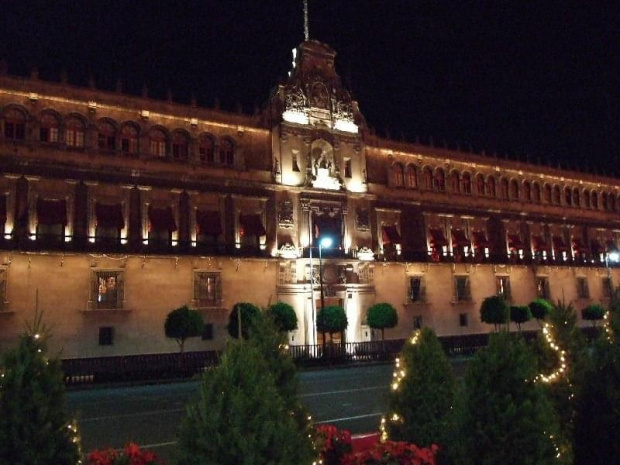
(350, 398)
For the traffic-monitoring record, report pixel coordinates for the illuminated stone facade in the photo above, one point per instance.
(116, 209)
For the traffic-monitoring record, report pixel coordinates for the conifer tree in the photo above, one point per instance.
(507, 418)
(597, 420)
(424, 396)
(240, 417)
(34, 428)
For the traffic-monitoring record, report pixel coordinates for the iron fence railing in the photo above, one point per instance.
(159, 367)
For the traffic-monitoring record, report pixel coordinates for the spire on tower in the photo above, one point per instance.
(306, 27)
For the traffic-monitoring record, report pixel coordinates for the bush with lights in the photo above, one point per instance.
(34, 428)
(422, 393)
(507, 418)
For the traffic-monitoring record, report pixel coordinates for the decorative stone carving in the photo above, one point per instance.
(362, 219)
(285, 214)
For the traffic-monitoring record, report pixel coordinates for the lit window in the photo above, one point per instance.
(398, 175)
(542, 288)
(466, 182)
(157, 143)
(205, 150)
(74, 134)
(207, 289)
(440, 180)
(502, 284)
(411, 177)
(416, 289)
(480, 184)
(462, 292)
(107, 290)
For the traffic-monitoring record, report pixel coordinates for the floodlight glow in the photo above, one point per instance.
(326, 242)
(614, 257)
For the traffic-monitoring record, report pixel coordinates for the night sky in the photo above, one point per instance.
(535, 80)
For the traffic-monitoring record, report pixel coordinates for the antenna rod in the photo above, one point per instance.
(306, 28)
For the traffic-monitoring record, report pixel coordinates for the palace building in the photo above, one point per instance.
(117, 209)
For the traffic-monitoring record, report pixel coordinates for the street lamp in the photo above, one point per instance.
(611, 257)
(325, 242)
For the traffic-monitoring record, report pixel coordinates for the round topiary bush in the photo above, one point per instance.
(248, 313)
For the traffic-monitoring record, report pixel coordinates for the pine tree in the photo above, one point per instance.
(597, 422)
(34, 428)
(240, 417)
(507, 418)
(424, 396)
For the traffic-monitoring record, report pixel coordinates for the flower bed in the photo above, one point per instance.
(130, 455)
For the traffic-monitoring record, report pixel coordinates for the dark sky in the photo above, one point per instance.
(536, 79)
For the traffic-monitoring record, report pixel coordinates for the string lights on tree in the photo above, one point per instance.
(562, 369)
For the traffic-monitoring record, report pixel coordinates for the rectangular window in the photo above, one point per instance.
(15, 131)
(607, 288)
(583, 292)
(347, 168)
(462, 291)
(107, 290)
(158, 147)
(74, 138)
(463, 320)
(295, 163)
(207, 289)
(417, 322)
(50, 232)
(207, 332)
(542, 288)
(416, 289)
(129, 145)
(502, 284)
(106, 336)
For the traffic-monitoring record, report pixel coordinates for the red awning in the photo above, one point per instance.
(390, 235)
(2, 208)
(51, 211)
(539, 244)
(559, 245)
(109, 216)
(252, 225)
(611, 246)
(459, 238)
(578, 245)
(208, 223)
(515, 242)
(480, 240)
(596, 247)
(438, 238)
(161, 219)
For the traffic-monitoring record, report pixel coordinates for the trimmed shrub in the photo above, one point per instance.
(494, 311)
(284, 316)
(332, 319)
(182, 324)
(540, 309)
(520, 314)
(249, 312)
(380, 316)
(593, 313)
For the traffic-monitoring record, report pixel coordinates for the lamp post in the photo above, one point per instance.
(325, 242)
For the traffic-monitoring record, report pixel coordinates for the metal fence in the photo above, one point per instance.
(159, 367)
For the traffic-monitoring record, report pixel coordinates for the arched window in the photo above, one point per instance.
(227, 152)
(49, 128)
(180, 146)
(604, 205)
(455, 182)
(129, 139)
(503, 185)
(106, 136)
(205, 149)
(428, 179)
(14, 124)
(536, 192)
(557, 195)
(576, 200)
(586, 199)
(74, 134)
(527, 191)
(157, 142)
(440, 180)
(595, 200)
(568, 196)
(491, 191)
(547, 191)
(514, 189)
(398, 176)
(480, 184)
(411, 177)
(466, 182)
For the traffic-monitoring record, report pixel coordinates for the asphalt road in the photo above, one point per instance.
(351, 398)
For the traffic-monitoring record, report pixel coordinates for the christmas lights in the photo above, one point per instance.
(562, 369)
